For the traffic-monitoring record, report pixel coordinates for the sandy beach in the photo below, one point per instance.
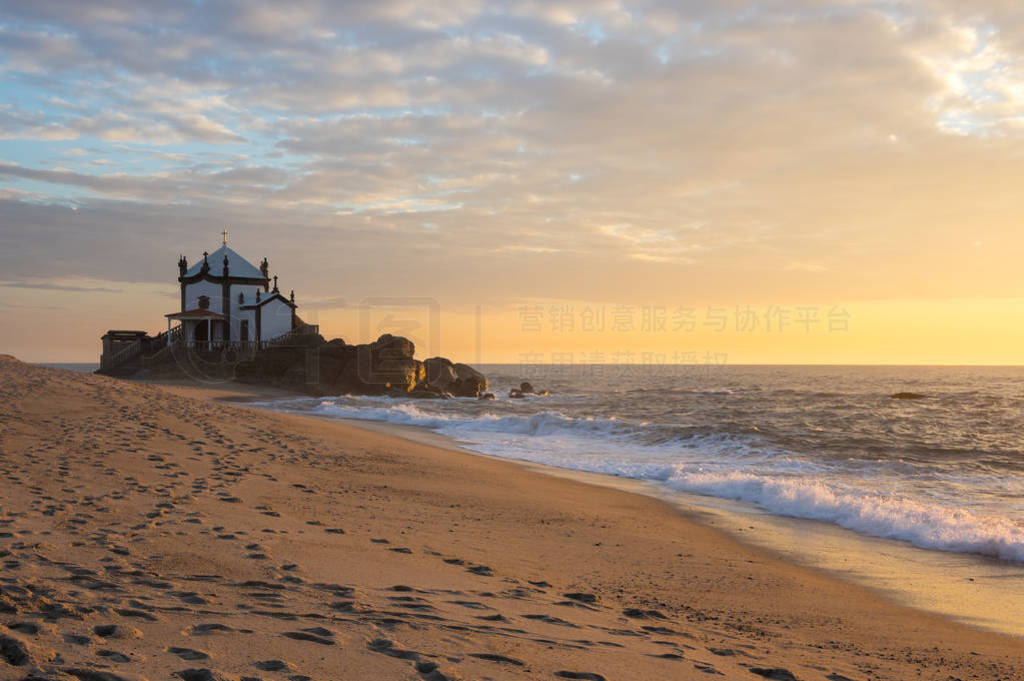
(161, 532)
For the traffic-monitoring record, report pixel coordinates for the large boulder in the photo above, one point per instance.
(337, 349)
(440, 373)
(328, 370)
(270, 365)
(294, 376)
(355, 380)
(399, 374)
(469, 382)
(392, 347)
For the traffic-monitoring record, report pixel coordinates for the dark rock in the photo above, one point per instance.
(328, 369)
(525, 389)
(385, 366)
(485, 396)
(440, 373)
(354, 377)
(393, 347)
(294, 375)
(469, 382)
(908, 396)
(399, 374)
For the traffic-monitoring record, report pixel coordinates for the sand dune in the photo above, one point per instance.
(154, 533)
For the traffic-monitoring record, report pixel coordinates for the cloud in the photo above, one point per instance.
(18, 124)
(571, 146)
(49, 286)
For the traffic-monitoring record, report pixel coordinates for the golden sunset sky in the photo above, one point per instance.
(773, 182)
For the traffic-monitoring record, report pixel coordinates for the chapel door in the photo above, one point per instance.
(243, 331)
(201, 333)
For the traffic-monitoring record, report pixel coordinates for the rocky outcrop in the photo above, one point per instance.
(386, 366)
(526, 388)
(470, 382)
(460, 380)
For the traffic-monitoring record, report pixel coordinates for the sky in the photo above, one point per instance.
(583, 181)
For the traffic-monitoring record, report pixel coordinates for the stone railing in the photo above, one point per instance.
(125, 354)
(160, 341)
(293, 335)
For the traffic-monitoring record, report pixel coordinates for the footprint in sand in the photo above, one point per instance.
(209, 628)
(190, 597)
(548, 619)
(774, 673)
(501, 659)
(638, 614)
(76, 639)
(188, 653)
(493, 618)
(116, 631)
(386, 647)
(137, 614)
(113, 656)
(24, 628)
(314, 635)
(201, 675)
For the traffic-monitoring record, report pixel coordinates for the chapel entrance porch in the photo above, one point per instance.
(199, 329)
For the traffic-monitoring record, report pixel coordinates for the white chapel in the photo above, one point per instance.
(226, 300)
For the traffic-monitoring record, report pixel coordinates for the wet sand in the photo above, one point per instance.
(160, 533)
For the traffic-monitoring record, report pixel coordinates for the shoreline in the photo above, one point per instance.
(892, 569)
(336, 547)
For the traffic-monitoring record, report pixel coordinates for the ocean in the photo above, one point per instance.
(941, 470)
(84, 367)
